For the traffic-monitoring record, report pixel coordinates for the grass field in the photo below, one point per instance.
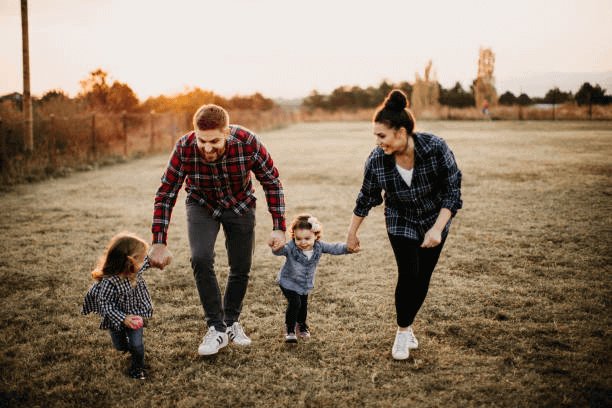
(518, 313)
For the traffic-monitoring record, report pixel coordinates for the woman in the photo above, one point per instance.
(422, 192)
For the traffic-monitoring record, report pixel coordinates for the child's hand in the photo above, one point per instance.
(277, 240)
(133, 322)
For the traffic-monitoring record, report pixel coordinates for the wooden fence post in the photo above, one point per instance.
(152, 133)
(125, 138)
(173, 132)
(3, 153)
(93, 135)
(51, 140)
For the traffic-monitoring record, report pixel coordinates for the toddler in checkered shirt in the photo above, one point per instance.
(121, 297)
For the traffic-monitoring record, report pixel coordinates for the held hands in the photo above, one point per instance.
(277, 240)
(159, 256)
(352, 243)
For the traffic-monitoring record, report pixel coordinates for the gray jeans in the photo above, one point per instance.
(239, 242)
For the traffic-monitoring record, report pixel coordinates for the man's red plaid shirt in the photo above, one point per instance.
(223, 185)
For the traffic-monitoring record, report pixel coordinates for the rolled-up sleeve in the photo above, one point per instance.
(450, 180)
(166, 195)
(267, 175)
(370, 194)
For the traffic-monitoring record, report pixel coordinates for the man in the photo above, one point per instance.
(215, 162)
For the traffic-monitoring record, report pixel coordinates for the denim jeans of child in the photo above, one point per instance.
(130, 340)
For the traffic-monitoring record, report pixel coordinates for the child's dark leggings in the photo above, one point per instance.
(130, 340)
(415, 265)
(297, 309)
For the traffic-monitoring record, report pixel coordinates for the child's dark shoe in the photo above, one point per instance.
(136, 373)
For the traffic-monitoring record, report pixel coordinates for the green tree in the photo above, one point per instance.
(507, 99)
(592, 95)
(556, 96)
(456, 97)
(524, 100)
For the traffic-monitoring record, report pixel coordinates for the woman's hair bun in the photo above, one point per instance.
(396, 101)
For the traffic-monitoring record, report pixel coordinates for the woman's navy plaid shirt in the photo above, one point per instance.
(410, 211)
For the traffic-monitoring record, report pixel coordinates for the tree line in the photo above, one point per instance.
(98, 94)
(353, 98)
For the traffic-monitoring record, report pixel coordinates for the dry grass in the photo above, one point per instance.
(518, 312)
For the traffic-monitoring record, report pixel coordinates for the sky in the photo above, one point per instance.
(287, 49)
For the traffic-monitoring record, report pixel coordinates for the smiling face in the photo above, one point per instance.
(390, 140)
(304, 239)
(211, 143)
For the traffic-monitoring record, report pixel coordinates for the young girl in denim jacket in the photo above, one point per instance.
(296, 277)
(121, 297)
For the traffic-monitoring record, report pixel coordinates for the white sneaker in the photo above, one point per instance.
(212, 342)
(236, 334)
(412, 341)
(404, 341)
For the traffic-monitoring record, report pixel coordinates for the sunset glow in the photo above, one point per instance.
(285, 49)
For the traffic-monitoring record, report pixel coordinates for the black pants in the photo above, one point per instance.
(239, 238)
(297, 309)
(415, 265)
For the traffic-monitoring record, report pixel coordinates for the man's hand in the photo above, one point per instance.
(277, 240)
(159, 256)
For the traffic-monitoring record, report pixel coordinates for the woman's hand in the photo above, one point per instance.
(352, 243)
(159, 256)
(433, 238)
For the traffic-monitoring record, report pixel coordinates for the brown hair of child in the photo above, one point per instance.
(307, 222)
(119, 256)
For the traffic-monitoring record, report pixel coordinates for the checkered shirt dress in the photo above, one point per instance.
(113, 299)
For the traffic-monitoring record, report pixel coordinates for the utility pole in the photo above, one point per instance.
(28, 122)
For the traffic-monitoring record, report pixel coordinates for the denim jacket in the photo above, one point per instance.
(298, 272)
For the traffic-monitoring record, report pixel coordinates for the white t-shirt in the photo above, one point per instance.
(309, 253)
(406, 174)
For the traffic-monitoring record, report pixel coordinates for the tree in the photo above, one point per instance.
(592, 95)
(94, 89)
(98, 95)
(456, 97)
(507, 99)
(556, 96)
(121, 98)
(314, 101)
(523, 100)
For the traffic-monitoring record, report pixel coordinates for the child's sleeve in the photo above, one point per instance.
(338, 248)
(108, 297)
(280, 252)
